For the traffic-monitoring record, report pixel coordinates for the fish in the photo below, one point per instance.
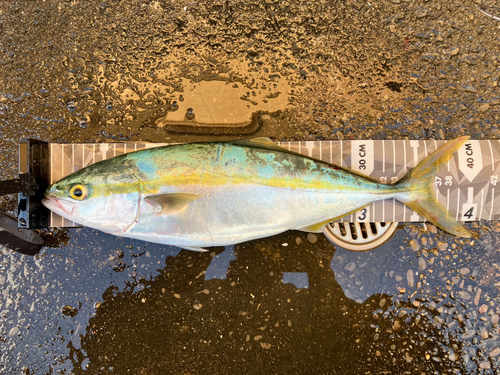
(199, 195)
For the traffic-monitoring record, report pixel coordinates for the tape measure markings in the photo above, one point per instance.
(492, 201)
(383, 158)
(341, 153)
(448, 200)
(394, 156)
(466, 182)
(482, 203)
(492, 157)
(310, 148)
(404, 153)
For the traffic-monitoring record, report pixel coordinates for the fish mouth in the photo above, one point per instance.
(59, 206)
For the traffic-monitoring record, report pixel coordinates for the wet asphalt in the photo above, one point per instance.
(96, 71)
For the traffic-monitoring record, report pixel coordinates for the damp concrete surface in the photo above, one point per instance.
(179, 71)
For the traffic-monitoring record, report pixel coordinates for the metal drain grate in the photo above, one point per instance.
(359, 236)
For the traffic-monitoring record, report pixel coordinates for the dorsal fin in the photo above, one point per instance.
(261, 142)
(266, 144)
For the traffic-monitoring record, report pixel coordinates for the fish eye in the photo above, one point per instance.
(78, 192)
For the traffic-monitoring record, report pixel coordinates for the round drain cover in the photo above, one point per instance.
(359, 236)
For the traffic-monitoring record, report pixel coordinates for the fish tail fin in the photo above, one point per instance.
(417, 189)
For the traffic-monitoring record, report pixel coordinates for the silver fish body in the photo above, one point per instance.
(222, 193)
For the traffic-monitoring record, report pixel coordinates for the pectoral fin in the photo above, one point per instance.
(194, 248)
(169, 204)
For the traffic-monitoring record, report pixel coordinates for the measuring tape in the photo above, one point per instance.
(466, 186)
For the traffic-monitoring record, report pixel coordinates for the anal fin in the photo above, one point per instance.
(318, 227)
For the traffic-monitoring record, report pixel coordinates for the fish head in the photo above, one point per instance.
(103, 197)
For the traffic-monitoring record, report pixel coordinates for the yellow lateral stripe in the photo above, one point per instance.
(212, 179)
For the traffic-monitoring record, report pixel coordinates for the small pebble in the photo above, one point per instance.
(455, 51)
(439, 320)
(197, 306)
(382, 303)
(470, 88)
(284, 244)
(422, 13)
(422, 264)
(415, 246)
(485, 365)
(484, 107)
(410, 277)
(177, 295)
(468, 334)
(477, 298)
(494, 319)
(443, 246)
(350, 266)
(312, 238)
(483, 308)
(265, 345)
(257, 338)
(13, 331)
(396, 326)
(298, 240)
(484, 333)
(464, 295)
(464, 271)
(423, 241)
(495, 352)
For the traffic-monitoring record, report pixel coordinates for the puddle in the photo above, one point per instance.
(104, 301)
(224, 103)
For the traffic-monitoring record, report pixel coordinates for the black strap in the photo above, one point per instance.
(23, 184)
